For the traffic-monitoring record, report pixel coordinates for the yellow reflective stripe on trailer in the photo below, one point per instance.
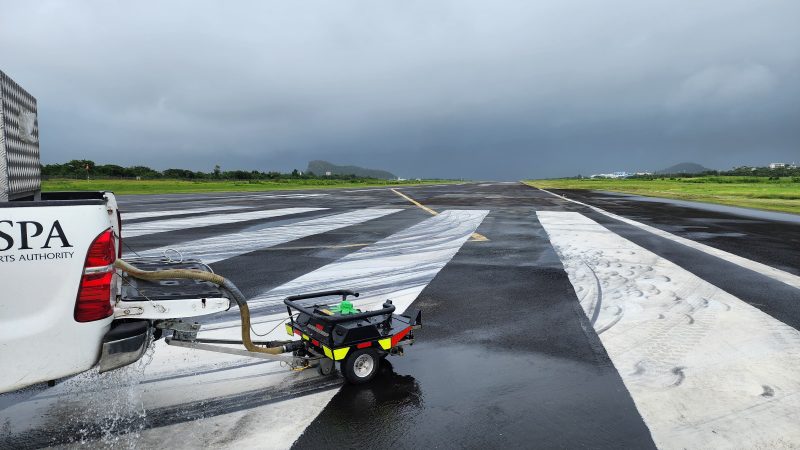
(289, 330)
(335, 354)
(340, 353)
(385, 344)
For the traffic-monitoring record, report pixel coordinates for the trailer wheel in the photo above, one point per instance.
(361, 365)
(326, 366)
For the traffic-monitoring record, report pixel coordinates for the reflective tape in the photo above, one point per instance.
(340, 353)
(396, 338)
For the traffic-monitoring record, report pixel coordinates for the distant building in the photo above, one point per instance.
(611, 175)
(328, 173)
(777, 165)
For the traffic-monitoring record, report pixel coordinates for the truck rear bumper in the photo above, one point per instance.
(124, 344)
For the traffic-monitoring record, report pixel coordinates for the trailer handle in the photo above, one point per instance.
(343, 292)
(388, 307)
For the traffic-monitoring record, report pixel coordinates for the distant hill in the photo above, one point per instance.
(321, 167)
(685, 167)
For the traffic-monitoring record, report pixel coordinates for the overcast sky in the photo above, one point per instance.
(476, 89)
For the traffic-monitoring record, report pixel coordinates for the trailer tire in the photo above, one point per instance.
(361, 366)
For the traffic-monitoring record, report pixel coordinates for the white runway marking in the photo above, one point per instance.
(257, 195)
(175, 212)
(776, 274)
(217, 248)
(198, 199)
(160, 226)
(397, 267)
(705, 369)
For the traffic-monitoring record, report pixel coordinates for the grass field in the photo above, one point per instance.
(751, 192)
(181, 186)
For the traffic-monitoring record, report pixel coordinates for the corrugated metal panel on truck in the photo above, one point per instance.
(20, 170)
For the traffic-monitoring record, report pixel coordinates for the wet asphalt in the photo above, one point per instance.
(769, 238)
(506, 355)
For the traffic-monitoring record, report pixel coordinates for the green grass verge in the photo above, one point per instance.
(750, 192)
(182, 186)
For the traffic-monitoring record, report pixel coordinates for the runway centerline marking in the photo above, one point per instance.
(695, 359)
(476, 237)
(769, 271)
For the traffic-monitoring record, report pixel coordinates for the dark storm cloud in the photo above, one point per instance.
(491, 90)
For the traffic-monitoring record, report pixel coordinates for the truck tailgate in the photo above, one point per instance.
(168, 299)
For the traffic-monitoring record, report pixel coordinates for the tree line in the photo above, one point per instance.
(744, 171)
(82, 168)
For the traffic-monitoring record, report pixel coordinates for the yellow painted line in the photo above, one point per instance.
(424, 208)
(476, 237)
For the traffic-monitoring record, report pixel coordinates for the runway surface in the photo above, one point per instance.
(551, 319)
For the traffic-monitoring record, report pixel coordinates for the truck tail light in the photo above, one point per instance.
(95, 293)
(119, 225)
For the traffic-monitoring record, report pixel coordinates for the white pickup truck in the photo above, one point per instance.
(64, 307)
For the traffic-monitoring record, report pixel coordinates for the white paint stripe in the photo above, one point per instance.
(159, 226)
(397, 267)
(257, 195)
(705, 369)
(175, 212)
(217, 248)
(178, 375)
(776, 274)
(183, 198)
